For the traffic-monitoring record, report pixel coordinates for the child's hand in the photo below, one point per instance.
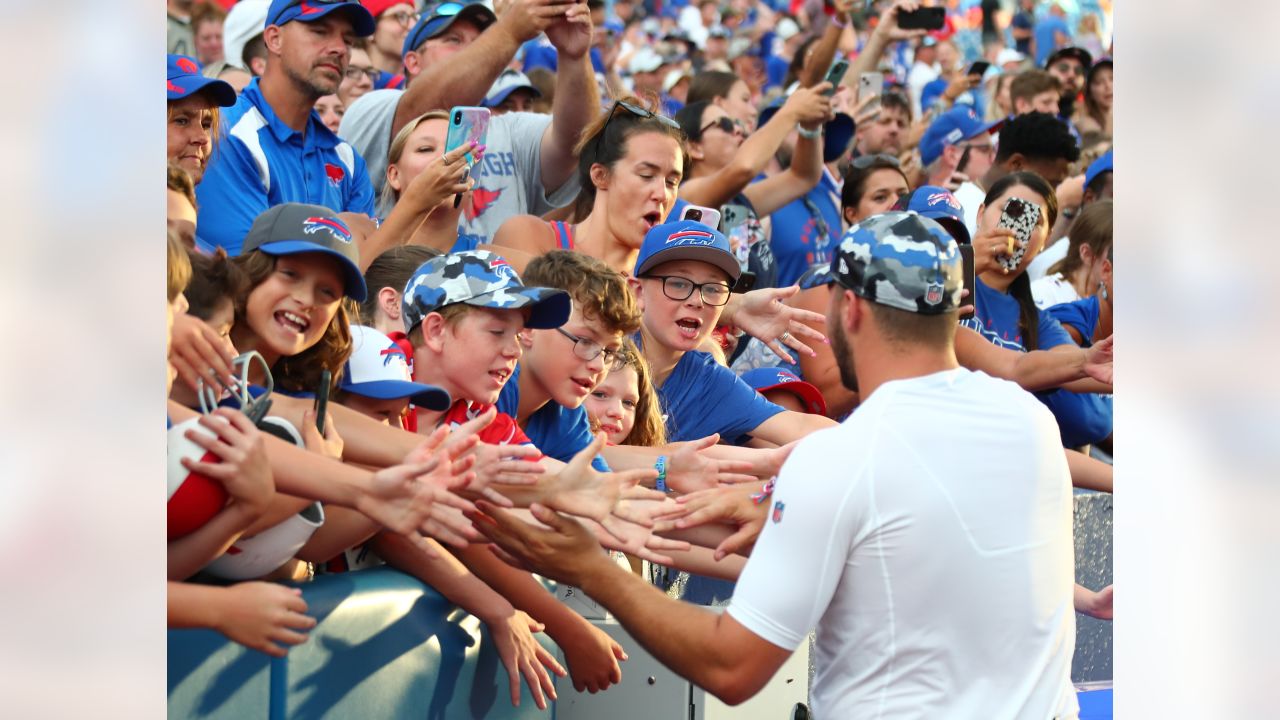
(583, 491)
(592, 657)
(330, 445)
(521, 654)
(765, 316)
(443, 178)
(259, 615)
(244, 471)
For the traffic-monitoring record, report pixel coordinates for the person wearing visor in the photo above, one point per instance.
(193, 114)
(277, 149)
(452, 57)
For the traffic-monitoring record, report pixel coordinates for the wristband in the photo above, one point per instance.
(661, 467)
(809, 134)
(835, 20)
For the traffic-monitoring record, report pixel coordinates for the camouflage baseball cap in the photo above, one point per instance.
(900, 259)
(482, 279)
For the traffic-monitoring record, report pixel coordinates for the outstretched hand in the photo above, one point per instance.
(1097, 361)
(888, 26)
(732, 506)
(764, 316)
(689, 469)
(564, 550)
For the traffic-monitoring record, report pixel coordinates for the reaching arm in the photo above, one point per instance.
(886, 31)
(1037, 370)
(789, 425)
(577, 99)
(1088, 473)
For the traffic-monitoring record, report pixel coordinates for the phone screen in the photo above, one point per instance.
(978, 68)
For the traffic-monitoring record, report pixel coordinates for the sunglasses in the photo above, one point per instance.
(862, 162)
(727, 125)
(637, 111)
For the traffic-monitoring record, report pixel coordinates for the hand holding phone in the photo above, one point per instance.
(835, 74)
(979, 68)
(466, 125)
(1022, 217)
(923, 18)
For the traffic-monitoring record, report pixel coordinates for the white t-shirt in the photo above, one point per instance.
(928, 538)
(970, 197)
(919, 76)
(1053, 290)
(1047, 258)
(508, 178)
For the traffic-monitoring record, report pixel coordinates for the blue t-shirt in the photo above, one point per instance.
(1081, 315)
(1045, 42)
(555, 430)
(775, 70)
(1083, 418)
(796, 236)
(261, 162)
(702, 397)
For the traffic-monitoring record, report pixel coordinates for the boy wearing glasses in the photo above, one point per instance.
(562, 365)
(683, 278)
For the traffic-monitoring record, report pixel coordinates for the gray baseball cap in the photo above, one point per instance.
(293, 228)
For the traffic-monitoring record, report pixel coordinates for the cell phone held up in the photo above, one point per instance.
(836, 74)
(705, 215)
(466, 125)
(1021, 217)
(925, 18)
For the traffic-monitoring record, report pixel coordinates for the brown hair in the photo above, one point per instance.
(178, 266)
(902, 327)
(392, 269)
(648, 430)
(709, 85)
(301, 372)
(1092, 228)
(599, 291)
(206, 12)
(180, 182)
(1030, 83)
(593, 147)
(215, 278)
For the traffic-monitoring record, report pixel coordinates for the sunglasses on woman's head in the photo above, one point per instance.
(637, 111)
(726, 124)
(862, 162)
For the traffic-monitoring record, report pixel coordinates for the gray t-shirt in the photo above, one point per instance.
(508, 179)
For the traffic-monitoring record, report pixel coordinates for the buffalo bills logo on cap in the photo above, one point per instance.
(306, 8)
(334, 173)
(502, 268)
(786, 377)
(933, 293)
(174, 88)
(947, 198)
(391, 354)
(691, 237)
(188, 65)
(335, 227)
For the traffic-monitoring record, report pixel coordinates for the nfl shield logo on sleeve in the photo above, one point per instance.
(778, 507)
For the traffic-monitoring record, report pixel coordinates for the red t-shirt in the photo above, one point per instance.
(503, 429)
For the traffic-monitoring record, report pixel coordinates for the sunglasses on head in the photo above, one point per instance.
(862, 162)
(637, 111)
(726, 124)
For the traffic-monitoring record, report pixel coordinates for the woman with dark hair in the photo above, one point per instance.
(727, 91)
(1099, 94)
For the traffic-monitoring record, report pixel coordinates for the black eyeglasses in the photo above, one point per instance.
(588, 349)
(727, 125)
(681, 288)
(862, 162)
(354, 73)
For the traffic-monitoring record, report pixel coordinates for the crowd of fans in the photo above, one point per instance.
(534, 321)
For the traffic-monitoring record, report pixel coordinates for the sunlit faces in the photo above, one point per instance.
(1045, 102)
(716, 144)
(641, 189)
(989, 217)
(387, 412)
(474, 357)
(556, 365)
(884, 134)
(358, 77)
(425, 144)
(614, 401)
(314, 55)
(331, 110)
(738, 105)
(290, 310)
(393, 25)
(679, 324)
(1053, 170)
(879, 194)
(190, 122)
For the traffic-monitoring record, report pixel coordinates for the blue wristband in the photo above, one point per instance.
(661, 467)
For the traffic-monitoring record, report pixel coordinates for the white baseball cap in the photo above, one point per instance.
(379, 369)
(1009, 55)
(246, 19)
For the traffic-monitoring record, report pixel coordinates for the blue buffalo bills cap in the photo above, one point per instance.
(686, 240)
(293, 228)
(441, 16)
(938, 204)
(956, 125)
(282, 11)
(378, 369)
(482, 279)
(1097, 167)
(901, 260)
(185, 79)
(765, 379)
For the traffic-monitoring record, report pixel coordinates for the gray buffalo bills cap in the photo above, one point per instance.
(482, 279)
(902, 260)
(294, 228)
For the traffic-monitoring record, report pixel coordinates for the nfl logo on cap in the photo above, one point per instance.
(933, 293)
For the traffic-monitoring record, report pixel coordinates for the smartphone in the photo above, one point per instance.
(835, 74)
(1021, 217)
(979, 68)
(322, 399)
(966, 254)
(925, 18)
(870, 84)
(466, 124)
(746, 282)
(732, 216)
(705, 215)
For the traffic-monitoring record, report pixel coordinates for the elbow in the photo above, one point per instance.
(733, 689)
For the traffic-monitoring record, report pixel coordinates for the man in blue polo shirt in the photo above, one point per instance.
(275, 148)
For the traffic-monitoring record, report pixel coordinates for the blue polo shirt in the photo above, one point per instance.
(553, 428)
(261, 162)
(702, 397)
(797, 239)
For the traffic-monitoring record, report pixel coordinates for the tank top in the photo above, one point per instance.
(563, 232)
